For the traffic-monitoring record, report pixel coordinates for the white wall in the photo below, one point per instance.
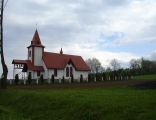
(76, 74)
(60, 73)
(50, 73)
(33, 74)
(38, 56)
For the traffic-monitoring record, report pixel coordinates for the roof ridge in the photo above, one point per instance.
(62, 54)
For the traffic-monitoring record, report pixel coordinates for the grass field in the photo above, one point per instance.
(97, 103)
(145, 77)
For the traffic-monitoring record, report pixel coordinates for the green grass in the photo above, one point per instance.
(78, 104)
(145, 77)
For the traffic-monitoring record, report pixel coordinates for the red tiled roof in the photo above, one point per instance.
(36, 40)
(29, 64)
(34, 68)
(59, 61)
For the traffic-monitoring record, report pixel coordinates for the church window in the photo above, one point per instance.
(71, 71)
(38, 73)
(55, 72)
(29, 53)
(67, 72)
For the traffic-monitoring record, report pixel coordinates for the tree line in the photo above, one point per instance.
(115, 72)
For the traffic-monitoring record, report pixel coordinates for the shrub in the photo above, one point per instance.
(41, 79)
(63, 79)
(72, 78)
(104, 76)
(52, 78)
(16, 79)
(29, 79)
(91, 77)
(81, 78)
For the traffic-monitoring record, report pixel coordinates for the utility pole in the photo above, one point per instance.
(3, 81)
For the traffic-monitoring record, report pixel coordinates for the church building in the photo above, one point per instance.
(48, 64)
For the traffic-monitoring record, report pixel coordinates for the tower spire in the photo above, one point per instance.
(36, 26)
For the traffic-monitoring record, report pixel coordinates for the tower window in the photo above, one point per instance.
(29, 53)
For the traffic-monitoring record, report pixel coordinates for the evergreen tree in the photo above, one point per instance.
(41, 79)
(29, 79)
(52, 78)
(16, 79)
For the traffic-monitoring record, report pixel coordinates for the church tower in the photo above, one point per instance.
(35, 50)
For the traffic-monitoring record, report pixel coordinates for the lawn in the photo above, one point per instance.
(145, 77)
(101, 103)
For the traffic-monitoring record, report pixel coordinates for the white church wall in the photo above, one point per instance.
(50, 73)
(38, 56)
(77, 75)
(33, 74)
(60, 74)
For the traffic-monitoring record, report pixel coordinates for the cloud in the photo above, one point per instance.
(152, 56)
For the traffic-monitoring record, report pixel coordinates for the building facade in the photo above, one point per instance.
(48, 64)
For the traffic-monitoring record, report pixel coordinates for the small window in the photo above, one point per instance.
(67, 72)
(38, 73)
(55, 72)
(29, 53)
(71, 71)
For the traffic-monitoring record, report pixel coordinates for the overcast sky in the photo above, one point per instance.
(105, 29)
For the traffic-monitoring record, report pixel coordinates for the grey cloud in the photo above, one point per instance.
(68, 22)
(153, 56)
(117, 2)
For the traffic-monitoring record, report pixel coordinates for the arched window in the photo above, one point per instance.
(67, 72)
(71, 71)
(55, 72)
(30, 53)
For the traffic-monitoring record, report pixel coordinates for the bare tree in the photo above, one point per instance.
(4, 66)
(135, 63)
(115, 65)
(94, 64)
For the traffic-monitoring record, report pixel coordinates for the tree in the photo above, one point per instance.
(4, 66)
(63, 80)
(72, 78)
(115, 64)
(135, 63)
(135, 66)
(147, 66)
(94, 64)
(81, 78)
